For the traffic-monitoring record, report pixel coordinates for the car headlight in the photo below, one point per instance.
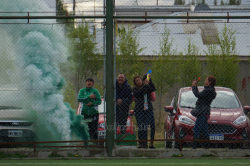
(186, 120)
(240, 120)
(102, 125)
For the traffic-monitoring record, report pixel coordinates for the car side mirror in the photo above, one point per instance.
(246, 109)
(168, 109)
(131, 112)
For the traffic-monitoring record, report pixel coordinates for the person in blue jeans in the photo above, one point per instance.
(203, 103)
(143, 107)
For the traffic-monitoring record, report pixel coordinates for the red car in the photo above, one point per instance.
(102, 122)
(228, 120)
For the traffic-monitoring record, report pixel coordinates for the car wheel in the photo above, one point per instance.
(175, 145)
(168, 143)
(2, 145)
(1, 140)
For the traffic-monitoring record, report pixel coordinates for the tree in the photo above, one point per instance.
(222, 60)
(238, 2)
(7, 63)
(190, 65)
(69, 94)
(179, 2)
(234, 2)
(215, 2)
(99, 84)
(85, 61)
(62, 11)
(128, 60)
(200, 1)
(164, 68)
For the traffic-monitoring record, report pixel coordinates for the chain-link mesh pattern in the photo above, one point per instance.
(45, 64)
(40, 73)
(178, 52)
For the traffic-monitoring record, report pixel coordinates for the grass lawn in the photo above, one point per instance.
(137, 162)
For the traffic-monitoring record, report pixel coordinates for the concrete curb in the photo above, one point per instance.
(120, 158)
(127, 153)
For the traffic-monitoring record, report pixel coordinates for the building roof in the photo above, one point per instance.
(202, 7)
(197, 31)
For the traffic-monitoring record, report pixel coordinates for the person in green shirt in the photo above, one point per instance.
(90, 98)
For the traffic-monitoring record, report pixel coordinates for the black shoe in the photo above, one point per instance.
(140, 146)
(177, 146)
(151, 147)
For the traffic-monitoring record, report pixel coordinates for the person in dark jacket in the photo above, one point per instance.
(203, 103)
(143, 106)
(123, 101)
(151, 119)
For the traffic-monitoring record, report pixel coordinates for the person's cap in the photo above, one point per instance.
(90, 79)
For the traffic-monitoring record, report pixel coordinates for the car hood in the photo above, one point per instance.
(17, 114)
(225, 114)
(219, 114)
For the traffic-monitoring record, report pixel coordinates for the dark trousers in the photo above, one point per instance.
(201, 126)
(151, 121)
(144, 118)
(121, 120)
(93, 125)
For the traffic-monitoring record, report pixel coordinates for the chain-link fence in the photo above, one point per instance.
(53, 77)
(178, 52)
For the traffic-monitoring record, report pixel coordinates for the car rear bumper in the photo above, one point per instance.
(17, 135)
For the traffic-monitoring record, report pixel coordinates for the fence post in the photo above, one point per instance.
(34, 145)
(109, 78)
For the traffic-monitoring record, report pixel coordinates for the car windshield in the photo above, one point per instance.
(224, 99)
(12, 97)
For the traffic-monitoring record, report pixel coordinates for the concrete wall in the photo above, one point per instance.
(128, 153)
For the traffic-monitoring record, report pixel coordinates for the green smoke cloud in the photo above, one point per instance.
(36, 51)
